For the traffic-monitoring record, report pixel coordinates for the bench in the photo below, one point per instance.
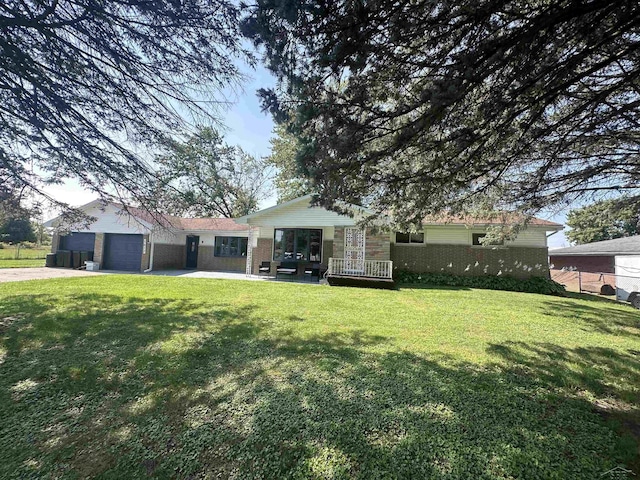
(287, 268)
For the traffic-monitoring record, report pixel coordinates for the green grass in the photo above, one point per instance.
(8, 252)
(21, 263)
(29, 257)
(136, 377)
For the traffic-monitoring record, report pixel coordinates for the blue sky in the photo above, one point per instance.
(247, 126)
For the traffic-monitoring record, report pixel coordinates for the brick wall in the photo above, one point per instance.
(377, 245)
(55, 242)
(262, 253)
(522, 262)
(169, 256)
(586, 263)
(338, 243)
(98, 248)
(208, 261)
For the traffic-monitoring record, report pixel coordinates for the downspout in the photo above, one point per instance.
(152, 247)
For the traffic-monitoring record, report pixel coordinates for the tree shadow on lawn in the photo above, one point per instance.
(595, 314)
(132, 388)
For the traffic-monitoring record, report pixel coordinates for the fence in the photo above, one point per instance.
(597, 282)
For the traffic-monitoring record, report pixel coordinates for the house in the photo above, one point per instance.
(295, 231)
(297, 234)
(139, 242)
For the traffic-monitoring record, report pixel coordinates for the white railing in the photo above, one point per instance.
(360, 268)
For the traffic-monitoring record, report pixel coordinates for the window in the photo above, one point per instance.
(230, 247)
(476, 239)
(410, 237)
(297, 245)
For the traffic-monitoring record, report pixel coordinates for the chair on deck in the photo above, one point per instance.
(313, 270)
(287, 268)
(264, 268)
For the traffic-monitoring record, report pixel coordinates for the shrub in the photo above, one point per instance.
(492, 282)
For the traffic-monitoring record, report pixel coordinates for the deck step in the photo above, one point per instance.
(365, 282)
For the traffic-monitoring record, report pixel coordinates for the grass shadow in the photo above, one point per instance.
(140, 387)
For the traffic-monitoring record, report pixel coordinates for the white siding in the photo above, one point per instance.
(462, 235)
(111, 222)
(531, 237)
(628, 267)
(448, 235)
(299, 215)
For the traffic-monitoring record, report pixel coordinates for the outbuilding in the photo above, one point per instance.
(620, 257)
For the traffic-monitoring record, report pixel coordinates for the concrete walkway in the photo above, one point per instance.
(42, 273)
(200, 274)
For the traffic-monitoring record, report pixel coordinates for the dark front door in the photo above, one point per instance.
(192, 251)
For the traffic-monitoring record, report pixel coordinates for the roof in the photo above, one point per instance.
(211, 224)
(168, 221)
(618, 246)
(356, 210)
(190, 224)
(505, 218)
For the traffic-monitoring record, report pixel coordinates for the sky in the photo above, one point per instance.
(250, 128)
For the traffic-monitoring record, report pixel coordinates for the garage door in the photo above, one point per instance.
(122, 252)
(78, 241)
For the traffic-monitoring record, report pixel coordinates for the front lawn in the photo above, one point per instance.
(136, 377)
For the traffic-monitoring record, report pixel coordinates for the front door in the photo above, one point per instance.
(192, 251)
(354, 250)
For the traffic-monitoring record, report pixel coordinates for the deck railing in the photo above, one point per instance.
(360, 268)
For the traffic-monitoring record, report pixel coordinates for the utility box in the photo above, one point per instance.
(92, 266)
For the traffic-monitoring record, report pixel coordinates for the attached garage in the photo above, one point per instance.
(78, 241)
(122, 252)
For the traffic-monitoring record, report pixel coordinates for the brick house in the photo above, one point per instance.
(300, 235)
(284, 233)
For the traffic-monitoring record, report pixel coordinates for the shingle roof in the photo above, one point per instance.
(211, 224)
(190, 224)
(499, 219)
(618, 246)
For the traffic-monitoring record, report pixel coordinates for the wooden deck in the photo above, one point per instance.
(357, 281)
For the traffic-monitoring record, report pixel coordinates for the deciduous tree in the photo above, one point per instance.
(207, 177)
(88, 87)
(604, 220)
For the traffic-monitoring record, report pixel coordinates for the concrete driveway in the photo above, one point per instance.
(40, 273)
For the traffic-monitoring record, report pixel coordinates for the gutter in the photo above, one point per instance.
(152, 247)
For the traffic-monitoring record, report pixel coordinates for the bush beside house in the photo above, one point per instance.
(530, 285)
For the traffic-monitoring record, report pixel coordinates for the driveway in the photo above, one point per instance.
(40, 273)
